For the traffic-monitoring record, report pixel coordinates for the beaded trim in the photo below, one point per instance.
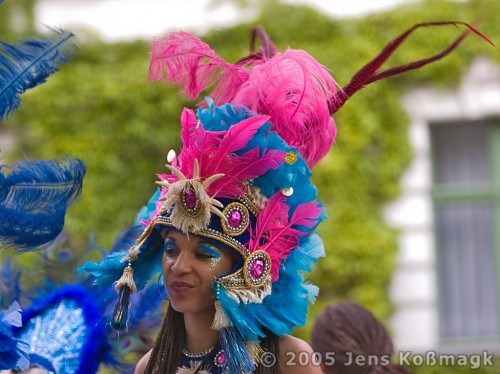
(209, 233)
(186, 353)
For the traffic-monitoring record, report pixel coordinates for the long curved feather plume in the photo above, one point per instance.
(30, 63)
(34, 198)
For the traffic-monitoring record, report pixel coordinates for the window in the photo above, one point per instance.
(466, 197)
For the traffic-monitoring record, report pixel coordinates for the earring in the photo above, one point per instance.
(161, 287)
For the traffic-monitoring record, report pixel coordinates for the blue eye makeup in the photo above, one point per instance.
(210, 250)
(168, 245)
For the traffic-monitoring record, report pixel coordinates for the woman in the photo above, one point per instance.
(233, 226)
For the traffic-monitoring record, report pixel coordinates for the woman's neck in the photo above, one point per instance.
(199, 333)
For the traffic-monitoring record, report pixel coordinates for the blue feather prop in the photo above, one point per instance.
(30, 63)
(63, 323)
(34, 198)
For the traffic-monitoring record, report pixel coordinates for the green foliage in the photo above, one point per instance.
(100, 108)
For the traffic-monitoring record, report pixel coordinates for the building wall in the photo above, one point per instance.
(414, 285)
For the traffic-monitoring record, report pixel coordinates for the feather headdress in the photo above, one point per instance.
(243, 180)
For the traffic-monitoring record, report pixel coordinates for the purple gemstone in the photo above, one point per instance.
(234, 219)
(191, 199)
(221, 359)
(257, 268)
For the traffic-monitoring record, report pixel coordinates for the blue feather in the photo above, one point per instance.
(13, 351)
(34, 198)
(30, 63)
(283, 309)
(147, 211)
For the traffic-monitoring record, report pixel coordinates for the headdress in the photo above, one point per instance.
(242, 180)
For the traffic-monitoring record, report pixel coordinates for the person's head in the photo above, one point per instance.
(357, 341)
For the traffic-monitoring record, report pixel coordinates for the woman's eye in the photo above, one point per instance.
(208, 252)
(204, 255)
(168, 250)
(169, 247)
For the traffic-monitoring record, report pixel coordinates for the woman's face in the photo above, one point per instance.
(189, 269)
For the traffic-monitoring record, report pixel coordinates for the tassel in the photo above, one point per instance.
(125, 287)
(238, 358)
(121, 312)
(127, 279)
(220, 318)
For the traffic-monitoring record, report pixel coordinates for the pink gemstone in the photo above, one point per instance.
(191, 199)
(221, 359)
(257, 268)
(234, 219)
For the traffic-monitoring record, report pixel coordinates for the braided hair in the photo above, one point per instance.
(167, 350)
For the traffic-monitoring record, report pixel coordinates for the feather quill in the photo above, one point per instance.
(34, 198)
(30, 63)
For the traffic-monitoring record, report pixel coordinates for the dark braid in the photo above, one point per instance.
(166, 355)
(270, 344)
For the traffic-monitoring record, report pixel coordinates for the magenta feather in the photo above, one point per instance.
(185, 60)
(291, 87)
(273, 219)
(294, 89)
(238, 136)
(277, 235)
(306, 215)
(247, 166)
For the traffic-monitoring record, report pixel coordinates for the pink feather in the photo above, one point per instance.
(291, 87)
(306, 215)
(239, 135)
(250, 165)
(185, 60)
(277, 235)
(294, 89)
(271, 220)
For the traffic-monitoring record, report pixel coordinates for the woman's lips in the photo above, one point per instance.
(180, 288)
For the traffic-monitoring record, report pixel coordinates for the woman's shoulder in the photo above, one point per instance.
(296, 356)
(142, 364)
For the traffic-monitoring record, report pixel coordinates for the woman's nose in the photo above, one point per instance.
(182, 264)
